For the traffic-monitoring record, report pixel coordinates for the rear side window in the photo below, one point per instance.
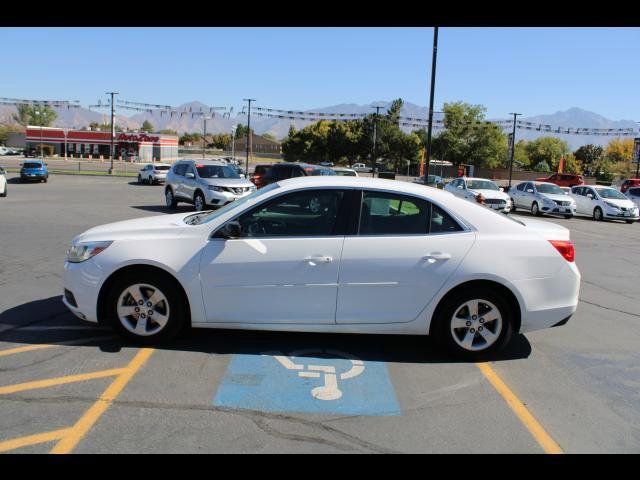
(441, 221)
(180, 169)
(384, 213)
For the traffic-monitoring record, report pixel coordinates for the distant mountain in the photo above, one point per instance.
(191, 121)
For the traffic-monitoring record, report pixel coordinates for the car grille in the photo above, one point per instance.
(562, 203)
(495, 201)
(238, 190)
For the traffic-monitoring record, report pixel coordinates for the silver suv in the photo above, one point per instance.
(206, 182)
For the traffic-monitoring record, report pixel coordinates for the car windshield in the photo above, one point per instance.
(610, 193)
(216, 171)
(481, 185)
(162, 167)
(204, 217)
(549, 188)
(314, 171)
(32, 165)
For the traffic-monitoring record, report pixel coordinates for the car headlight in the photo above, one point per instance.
(215, 188)
(80, 252)
(612, 205)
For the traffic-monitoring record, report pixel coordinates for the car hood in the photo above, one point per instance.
(620, 202)
(155, 226)
(557, 196)
(228, 182)
(493, 194)
(547, 230)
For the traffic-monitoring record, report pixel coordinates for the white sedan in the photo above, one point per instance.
(329, 254)
(604, 203)
(542, 198)
(469, 188)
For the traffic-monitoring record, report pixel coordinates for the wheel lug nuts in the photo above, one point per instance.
(137, 309)
(140, 302)
(472, 330)
(150, 312)
(473, 317)
(142, 315)
(148, 304)
(468, 324)
(479, 329)
(482, 320)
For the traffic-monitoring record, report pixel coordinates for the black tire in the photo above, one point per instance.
(139, 179)
(535, 211)
(46, 179)
(568, 216)
(199, 202)
(628, 221)
(177, 308)
(453, 303)
(597, 214)
(170, 199)
(4, 194)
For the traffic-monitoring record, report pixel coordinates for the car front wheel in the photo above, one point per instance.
(535, 210)
(597, 214)
(146, 308)
(474, 323)
(170, 199)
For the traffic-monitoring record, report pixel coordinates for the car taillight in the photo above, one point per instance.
(566, 249)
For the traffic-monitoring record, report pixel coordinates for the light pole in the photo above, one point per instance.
(112, 130)
(233, 142)
(248, 132)
(375, 135)
(433, 86)
(204, 137)
(37, 112)
(513, 146)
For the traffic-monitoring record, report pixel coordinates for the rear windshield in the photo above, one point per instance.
(634, 191)
(313, 171)
(549, 188)
(32, 165)
(161, 167)
(261, 169)
(216, 171)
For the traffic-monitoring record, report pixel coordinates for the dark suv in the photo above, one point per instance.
(284, 170)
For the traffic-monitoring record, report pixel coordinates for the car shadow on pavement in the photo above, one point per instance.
(48, 321)
(164, 209)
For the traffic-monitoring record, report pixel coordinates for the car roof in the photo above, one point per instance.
(300, 164)
(204, 162)
(478, 178)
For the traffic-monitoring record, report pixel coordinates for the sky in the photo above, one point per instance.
(531, 71)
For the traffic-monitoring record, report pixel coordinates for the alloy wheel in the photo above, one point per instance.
(476, 325)
(169, 198)
(199, 202)
(143, 309)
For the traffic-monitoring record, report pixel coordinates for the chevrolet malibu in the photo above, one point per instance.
(329, 254)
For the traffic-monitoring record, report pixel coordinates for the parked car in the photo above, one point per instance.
(542, 198)
(433, 181)
(34, 170)
(628, 183)
(284, 170)
(361, 167)
(563, 179)
(345, 172)
(326, 164)
(456, 271)
(604, 203)
(633, 194)
(154, 173)
(204, 183)
(469, 188)
(257, 177)
(3, 182)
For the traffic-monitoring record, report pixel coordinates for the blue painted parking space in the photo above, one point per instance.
(309, 381)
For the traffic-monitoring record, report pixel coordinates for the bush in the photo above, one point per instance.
(542, 166)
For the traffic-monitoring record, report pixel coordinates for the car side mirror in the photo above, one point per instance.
(501, 189)
(529, 190)
(229, 231)
(590, 196)
(190, 175)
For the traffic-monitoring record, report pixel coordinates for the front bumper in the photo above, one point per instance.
(222, 198)
(82, 281)
(558, 210)
(620, 215)
(33, 176)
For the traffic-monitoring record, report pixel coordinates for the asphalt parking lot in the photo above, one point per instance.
(67, 386)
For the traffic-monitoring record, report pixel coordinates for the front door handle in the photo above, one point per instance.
(319, 259)
(435, 256)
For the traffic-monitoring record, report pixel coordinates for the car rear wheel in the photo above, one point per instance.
(535, 210)
(597, 214)
(474, 323)
(146, 308)
(170, 199)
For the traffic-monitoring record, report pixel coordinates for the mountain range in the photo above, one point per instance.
(192, 122)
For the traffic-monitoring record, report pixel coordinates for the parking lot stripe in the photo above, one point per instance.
(30, 348)
(32, 439)
(547, 443)
(91, 416)
(51, 382)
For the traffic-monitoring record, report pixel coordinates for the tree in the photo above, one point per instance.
(38, 115)
(241, 130)
(147, 126)
(5, 130)
(547, 149)
(619, 152)
(590, 156)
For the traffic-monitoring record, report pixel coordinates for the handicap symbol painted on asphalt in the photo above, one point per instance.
(311, 380)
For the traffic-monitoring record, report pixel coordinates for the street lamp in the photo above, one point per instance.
(433, 86)
(233, 142)
(37, 112)
(204, 136)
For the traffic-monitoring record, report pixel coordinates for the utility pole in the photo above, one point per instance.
(246, 169)
(233, 142)
(513, 146)
(112, 130)
(433, 86)
(374, 152)
(204, 137)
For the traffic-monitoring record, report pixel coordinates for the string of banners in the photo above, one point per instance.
(46, 103)
(163, 109)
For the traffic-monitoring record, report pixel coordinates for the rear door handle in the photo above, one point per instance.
(319, 259)
(435, 256)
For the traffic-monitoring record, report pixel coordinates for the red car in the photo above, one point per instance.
(628, 183)
(563, 179)
(257, 177)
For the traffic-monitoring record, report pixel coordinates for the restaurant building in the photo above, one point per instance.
(134, 146)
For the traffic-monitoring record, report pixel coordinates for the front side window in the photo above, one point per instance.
(180, 169)
(309, 213)
(521, 187)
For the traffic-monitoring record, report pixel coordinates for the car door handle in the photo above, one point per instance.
(434, 256)
(319, 259)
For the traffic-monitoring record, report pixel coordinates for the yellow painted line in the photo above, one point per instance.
(91, 416)
(51, 382)
(547, 443)
(30, 348)
(32, 439)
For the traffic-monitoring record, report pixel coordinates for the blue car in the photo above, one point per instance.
(34, 170)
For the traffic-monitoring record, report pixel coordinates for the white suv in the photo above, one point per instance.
(154, 173)
(203, 183)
